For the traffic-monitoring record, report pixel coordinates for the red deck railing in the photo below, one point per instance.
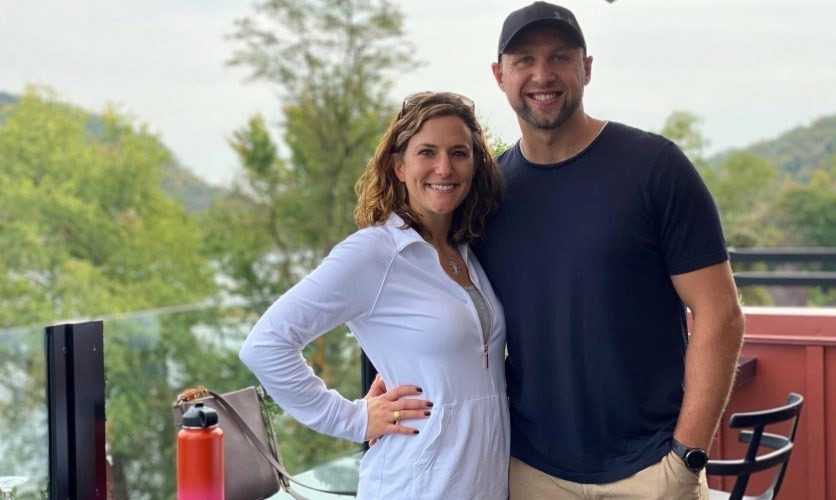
(794, 351)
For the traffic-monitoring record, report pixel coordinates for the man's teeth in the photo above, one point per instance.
(442, 187)
(544, 97)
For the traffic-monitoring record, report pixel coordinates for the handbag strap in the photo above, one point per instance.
(283, 473)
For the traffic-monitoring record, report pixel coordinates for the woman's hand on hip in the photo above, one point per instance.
(386, 409)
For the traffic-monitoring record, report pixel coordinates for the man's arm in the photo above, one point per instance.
(711, 358)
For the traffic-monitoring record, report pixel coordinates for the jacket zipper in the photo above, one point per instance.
(485, 334)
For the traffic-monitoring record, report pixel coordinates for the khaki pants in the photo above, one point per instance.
(668, 479)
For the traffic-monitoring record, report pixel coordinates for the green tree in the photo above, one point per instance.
(85, 228)
(806, 213)
(149, 359)
(86, 231)
(801, 151)
(743, 185)
(332, 63)
(683, 128)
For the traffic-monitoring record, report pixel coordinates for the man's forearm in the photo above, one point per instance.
(710, 365)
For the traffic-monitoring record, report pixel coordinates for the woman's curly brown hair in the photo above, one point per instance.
(379, 192)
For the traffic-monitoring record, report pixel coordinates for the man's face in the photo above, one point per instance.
(543, 75)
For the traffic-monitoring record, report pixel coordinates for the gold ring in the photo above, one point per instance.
(396, 415)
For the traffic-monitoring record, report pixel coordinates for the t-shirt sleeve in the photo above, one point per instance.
(343, 287)
(687, 220)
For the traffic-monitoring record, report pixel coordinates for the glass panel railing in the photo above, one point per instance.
(341, 474)
(149, 358)
(23, 421)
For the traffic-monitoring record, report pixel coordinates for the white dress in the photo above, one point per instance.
(417, 326)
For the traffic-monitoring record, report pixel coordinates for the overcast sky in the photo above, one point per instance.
(750, 68)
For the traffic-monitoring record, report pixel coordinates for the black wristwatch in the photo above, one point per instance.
(694, 458)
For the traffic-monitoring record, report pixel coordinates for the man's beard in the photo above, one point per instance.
(566, 112)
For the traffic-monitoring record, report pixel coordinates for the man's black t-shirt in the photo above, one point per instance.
(580, 254)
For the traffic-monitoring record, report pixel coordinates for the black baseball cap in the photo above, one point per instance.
(540, 13)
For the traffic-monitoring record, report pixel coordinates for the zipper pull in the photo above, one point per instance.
(485, 355)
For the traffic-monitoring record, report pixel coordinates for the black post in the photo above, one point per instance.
(367, 373)
(76, 411)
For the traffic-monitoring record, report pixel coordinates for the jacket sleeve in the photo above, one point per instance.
(343, 287)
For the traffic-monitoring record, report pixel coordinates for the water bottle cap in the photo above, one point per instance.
(200, 416)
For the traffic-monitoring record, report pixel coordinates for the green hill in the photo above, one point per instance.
(797, 152)
(178, 182)
(193, 192)
(6, 99)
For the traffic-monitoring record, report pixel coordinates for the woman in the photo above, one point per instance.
(416, 299)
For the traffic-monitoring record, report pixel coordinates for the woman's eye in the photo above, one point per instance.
(425, 152)
(460, 154)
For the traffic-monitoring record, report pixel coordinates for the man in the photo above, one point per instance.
(606, 234)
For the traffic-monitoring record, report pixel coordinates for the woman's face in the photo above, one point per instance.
(437, 168)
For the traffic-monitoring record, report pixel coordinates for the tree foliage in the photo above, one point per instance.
(85, 228)
(807, 211)
(331, 62)
(802, 151)
(87, 231)
(762, 205)
(745, 187)
(683, 128)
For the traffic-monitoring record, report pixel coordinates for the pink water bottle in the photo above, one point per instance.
(200, 455)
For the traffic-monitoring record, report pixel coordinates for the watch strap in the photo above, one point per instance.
(680, 449)
(683, 452)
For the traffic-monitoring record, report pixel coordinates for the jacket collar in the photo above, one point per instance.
(402, 237)
(405, 237)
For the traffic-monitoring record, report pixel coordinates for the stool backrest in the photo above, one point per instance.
(756, 437)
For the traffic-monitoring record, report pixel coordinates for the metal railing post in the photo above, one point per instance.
(76, 411)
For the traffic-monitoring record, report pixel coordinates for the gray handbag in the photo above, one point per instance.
(247, 475)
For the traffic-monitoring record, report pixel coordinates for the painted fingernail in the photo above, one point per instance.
(415, 431)
(419, 389)
(430, 404)
(426, 414)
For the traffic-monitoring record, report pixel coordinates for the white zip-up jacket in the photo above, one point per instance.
(417, 326)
